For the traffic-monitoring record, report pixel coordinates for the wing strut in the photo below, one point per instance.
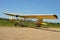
(39, 22)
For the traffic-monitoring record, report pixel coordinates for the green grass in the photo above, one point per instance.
(6, 22)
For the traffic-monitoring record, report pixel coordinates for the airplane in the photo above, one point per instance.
(40, 17)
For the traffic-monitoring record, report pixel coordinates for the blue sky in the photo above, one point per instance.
(30, 7)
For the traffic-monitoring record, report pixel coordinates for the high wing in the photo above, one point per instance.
(10, 14)
(39, 16)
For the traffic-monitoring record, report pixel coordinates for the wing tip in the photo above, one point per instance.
(56, 16)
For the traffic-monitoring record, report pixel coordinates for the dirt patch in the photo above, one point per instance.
(17, 33)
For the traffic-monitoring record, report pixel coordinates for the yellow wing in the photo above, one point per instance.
(39, 16)
(12, 14)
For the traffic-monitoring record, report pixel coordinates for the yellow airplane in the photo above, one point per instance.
(40, 17)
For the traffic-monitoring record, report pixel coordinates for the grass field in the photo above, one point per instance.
(6, 22)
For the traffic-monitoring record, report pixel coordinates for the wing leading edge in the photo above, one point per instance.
(39, 16)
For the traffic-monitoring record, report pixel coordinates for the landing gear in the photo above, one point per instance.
(38, 25)
(16, 24)
(19, 24)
